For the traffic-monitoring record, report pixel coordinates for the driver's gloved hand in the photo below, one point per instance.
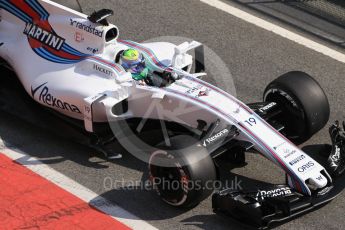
(336, 160)
(159, 79)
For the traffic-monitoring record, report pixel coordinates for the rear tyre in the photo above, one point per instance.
(304, 103)
(182, 175)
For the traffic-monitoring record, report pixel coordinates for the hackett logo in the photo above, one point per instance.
(102, 70)
(43, 36)
(50, 100)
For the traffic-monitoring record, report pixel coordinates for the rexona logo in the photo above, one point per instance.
(89, 28)
(267, 107)
(215, 137)
(279, 192)
(43, 36)
(49, 99)
(296, 160)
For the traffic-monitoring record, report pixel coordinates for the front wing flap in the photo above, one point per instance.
(274, 205)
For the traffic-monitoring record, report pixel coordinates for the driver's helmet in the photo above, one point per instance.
(133, 61)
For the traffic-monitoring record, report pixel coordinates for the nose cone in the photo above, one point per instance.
(317, 182)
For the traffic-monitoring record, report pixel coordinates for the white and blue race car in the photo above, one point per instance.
(68, 63)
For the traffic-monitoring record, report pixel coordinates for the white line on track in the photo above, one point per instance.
(78, 190)
(276, 29)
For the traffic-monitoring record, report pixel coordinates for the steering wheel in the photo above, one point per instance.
(159, 79)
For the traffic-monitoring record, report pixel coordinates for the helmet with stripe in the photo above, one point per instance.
(133, 61)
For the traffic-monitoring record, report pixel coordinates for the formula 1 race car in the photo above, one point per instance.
(69, 64)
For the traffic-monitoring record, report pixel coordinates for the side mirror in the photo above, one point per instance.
(100, 16)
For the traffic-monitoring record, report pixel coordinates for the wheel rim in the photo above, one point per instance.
(292, 113)
(169, 182)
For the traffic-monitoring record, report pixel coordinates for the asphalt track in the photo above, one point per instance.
(254, 56)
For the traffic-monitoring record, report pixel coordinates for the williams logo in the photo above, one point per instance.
(43, 36)
(50, 100)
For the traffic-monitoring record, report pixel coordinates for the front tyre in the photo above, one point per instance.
(305, 107)
(182, 175)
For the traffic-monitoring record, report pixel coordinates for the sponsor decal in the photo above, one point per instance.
(78, 37)
(203, 93)
(325, 191)
(193, 90)
(288, 152)
(267, 107)
(88, 28)
(102, 70)
(275, 192)
(336, 155)
(93, 50)
(198, 91)
(278, 146)
(87, 109)
(47, 38)
(296, 160)
(42, 38)
(306, 167)
(49, 99)
(215, 137)
(320, 178)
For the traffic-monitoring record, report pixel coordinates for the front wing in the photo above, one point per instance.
(274, 204)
